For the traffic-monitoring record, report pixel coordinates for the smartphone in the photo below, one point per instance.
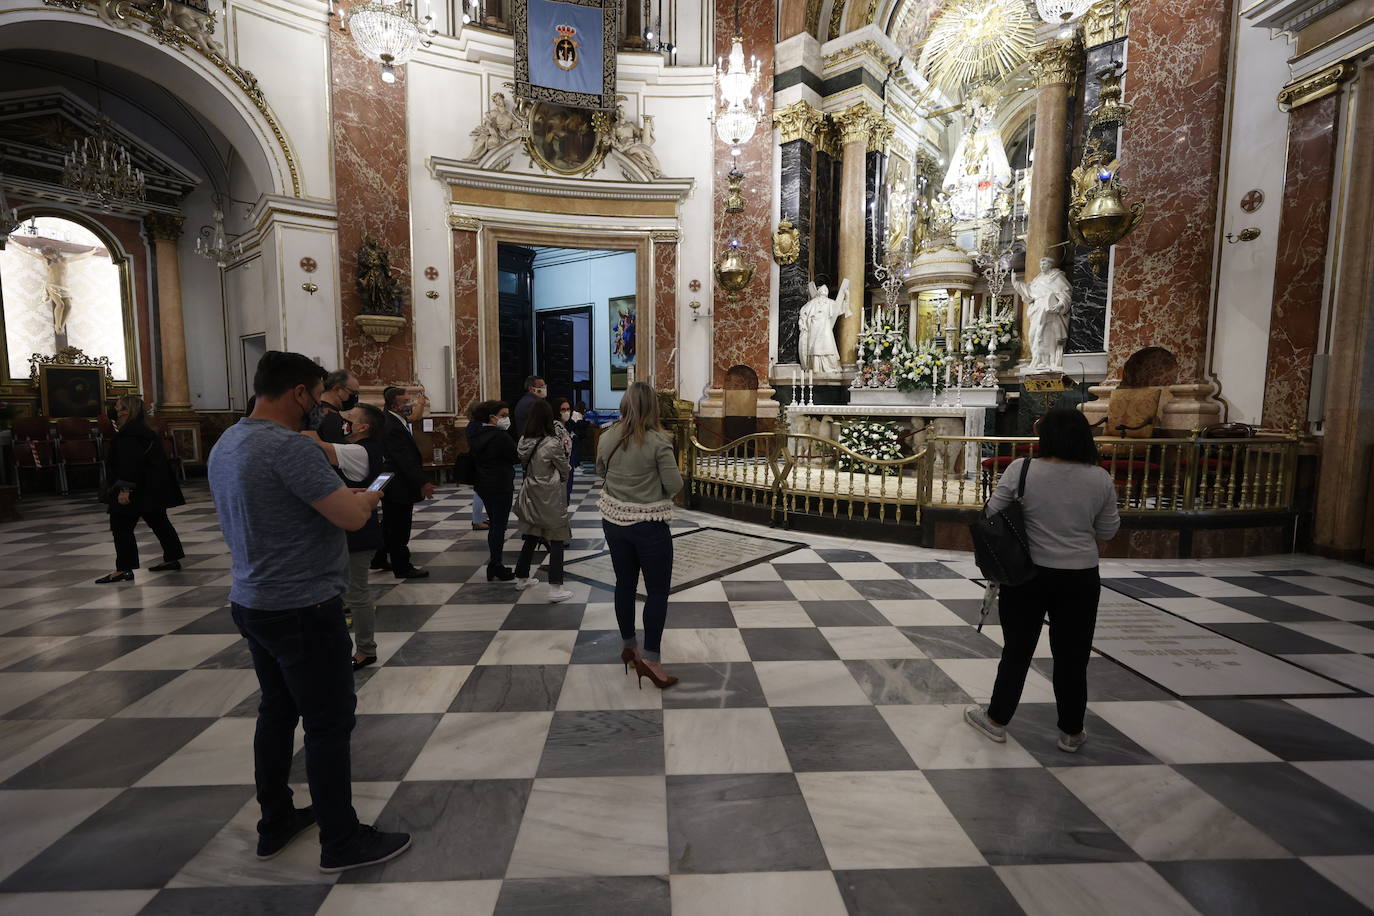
(380, 483)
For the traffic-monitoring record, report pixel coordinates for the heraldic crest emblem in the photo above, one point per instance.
(565, 45)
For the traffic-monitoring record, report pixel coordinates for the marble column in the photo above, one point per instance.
(467, 347)
(1300, 265)
(665, 350)
(174, 395)
(856, 124)
(798, 125)
(372, 189)
(1171, 148)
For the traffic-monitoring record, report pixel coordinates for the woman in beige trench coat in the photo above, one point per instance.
(542, 505)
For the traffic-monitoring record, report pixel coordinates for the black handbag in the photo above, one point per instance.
(1000, 547)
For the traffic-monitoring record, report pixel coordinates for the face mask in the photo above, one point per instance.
(312, 416)
(566, 415)
(347, 428)
(503, 422)
(405, 411)
(350, 402)
(540, 392)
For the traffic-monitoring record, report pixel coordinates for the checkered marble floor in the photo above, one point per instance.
(812, 760)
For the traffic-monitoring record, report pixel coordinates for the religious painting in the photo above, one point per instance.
(72, 391)
(564, 140)
(622, 320)
(565, 51)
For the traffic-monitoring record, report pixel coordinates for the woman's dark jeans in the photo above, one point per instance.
(498, 503)
(645, 547)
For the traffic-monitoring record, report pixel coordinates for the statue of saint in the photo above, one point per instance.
(499, 124)
(377, 286)
(1048, 299)
(816, 347)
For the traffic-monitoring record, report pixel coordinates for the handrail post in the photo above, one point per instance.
(1190, 472)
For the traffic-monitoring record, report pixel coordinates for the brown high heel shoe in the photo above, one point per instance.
(659, 679)
(628, 655)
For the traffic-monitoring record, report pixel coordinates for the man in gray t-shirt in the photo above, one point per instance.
(283, 512)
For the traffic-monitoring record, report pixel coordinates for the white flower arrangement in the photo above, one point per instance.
(871, 439)
(990, 334)
(922, 369)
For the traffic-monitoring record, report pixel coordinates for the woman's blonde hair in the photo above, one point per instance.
(137, 412)
(639, 412)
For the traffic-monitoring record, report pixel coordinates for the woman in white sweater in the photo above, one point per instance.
(1069, 505)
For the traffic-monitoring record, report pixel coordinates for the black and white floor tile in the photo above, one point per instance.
(813, 759)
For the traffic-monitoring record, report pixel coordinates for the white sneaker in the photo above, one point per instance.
(1071, 743)
(523, 584)
(559, 593)
(977, 717)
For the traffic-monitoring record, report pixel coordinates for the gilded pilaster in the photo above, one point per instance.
(799, 121)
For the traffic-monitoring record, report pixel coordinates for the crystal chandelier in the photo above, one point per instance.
(214, 244)
(1059, 12)
(99, 167)
(738, 116)
(389, 31)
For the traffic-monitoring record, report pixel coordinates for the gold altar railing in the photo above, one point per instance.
(1152, 476)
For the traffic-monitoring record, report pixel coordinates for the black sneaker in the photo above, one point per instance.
(412, 573)
(270, 845)
(369, 847)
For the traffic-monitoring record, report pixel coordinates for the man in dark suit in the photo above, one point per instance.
(408, 488)
(535, 390)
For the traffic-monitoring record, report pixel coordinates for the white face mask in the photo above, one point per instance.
(503, 422)
(566, 414)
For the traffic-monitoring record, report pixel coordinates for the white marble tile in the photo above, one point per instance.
(866, 572)
(715, 644)
(776, 893)
(1349, 668)
(37, 818)
(824, 590)
(1118, 888)
(1354, 778)
(699, 741)
(870, 642)
(1349, 636)
(1177, 733)
(1333, 586)
(483, 745)
(1354, 714)
(540, 593)
(605, 687)
(156, 621)
(148, 596)
(759, 572)
(9, 597)
(467, 617)
(593, 826)
(413, 591)
(173, 652)
(805, 555)
(1204, 586)
(885, 820)
(821, 683)
(207, 693)
(76, 903)
(26, 741)
(1352, 874)
(977, 675)
(1164, 816)
(14, 649)
(938, 738)
(918, 612)
(19, 687)
(417, 898)
(412, 688)
(222, 755)
(16, 618)
(601, 616)
(951, 588)
(1332, 606)
(760, 614)
(707, 591)
(1203, 610)
(530, 647)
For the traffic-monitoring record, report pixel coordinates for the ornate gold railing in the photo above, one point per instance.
(1152, 476)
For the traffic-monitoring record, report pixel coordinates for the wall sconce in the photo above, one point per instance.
(309, 287)
(1245, 235)
(432, 294)
(696, 310)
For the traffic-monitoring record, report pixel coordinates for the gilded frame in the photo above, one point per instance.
(541, 157)
(610, 44)
(71, 374)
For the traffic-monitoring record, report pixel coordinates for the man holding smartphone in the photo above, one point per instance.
(283, 512)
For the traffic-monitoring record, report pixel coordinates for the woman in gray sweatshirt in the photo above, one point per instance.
(1069, 505)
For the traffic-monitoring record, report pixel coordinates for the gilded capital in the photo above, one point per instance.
(1316, 86)
(162, 227)
(664, 236)
(1058, 63)
(857, 123)
(799, 121)
(880, 136)
(464, 221)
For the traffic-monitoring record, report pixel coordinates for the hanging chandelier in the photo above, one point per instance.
(1059, 12)
(389, 31)
(214, 244)
(738, 116)
(99, 167)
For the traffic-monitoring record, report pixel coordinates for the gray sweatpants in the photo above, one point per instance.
(358, 598)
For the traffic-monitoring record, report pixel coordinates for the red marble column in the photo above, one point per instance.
(740, 329)
(372, 191)
(666, 358)
(467, 348)
(1171, 158)
(1300, 268)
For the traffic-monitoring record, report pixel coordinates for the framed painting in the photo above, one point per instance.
(72, 391)
(622, 321)
(565, 140)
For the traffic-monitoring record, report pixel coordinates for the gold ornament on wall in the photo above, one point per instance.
(733, 272)
(734, 201)
(786, 243)
(1097, 217)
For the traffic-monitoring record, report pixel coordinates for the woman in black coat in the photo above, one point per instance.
(494, 460)
(145, 487)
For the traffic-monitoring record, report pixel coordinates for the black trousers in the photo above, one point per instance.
(643, 548)
(303, 661)
(122, 524)
(531, 542)
(498, 503)
(1069, 598)
(396, 519)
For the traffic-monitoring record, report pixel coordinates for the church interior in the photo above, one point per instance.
(858, 248)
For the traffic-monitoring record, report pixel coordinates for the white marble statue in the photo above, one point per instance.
(816, 347)
(500, 124)
(1048, 299)
(636, 142)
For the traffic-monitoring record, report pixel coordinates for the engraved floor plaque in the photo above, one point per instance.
(699, 555)
(1191, 660)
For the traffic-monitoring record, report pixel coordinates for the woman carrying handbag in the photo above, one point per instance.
(144, 487)
(542, 504)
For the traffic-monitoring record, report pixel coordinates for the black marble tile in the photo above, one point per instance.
(486, 593)
(806, 572)
(1286, 731)
(1274, 639)
(219, 621)
(758, 591)
(456, 647)
(952, 642)
(888, 590)
(1267, 585)
(237, 655)
(115, 753)
(997, 808)
(268, 900)
(460, 830)
(599, 647)
(1273, 887)
(84, 653)
(714, 685)
(451, 572)
(382, 748)
(925, 570)
(510, 688)
(926, 892)
(1109, 681)
(839, 555)
(784, 644)
(141, 839)
(203, 596)
(1036, 726)
(97, 695)
(584, 896)
(74, 623)
(1145, 588)
(402, 618)
(700, 615)
(1272, 609)
(844, 614)
(740, 823)
(968, 609)
(907, 681)
(1301, 814)
(604, 743)
(838, 739)
(566, 616)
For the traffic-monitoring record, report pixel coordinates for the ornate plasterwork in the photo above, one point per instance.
(880, 136)
(191, 30)
(799, 121)
(871, 50)
(464, 222)
(1106, 22)
(163, 226)
(1317, 86)
(857, 123)
(1058, 62)
(664, 236)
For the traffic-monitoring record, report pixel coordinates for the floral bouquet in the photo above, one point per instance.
(871, 439)
(989, 335)
(881, 339)
(922, 369)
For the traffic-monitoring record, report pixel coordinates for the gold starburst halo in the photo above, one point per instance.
(978, 41)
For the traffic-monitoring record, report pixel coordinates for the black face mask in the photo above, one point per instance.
(350, 402)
